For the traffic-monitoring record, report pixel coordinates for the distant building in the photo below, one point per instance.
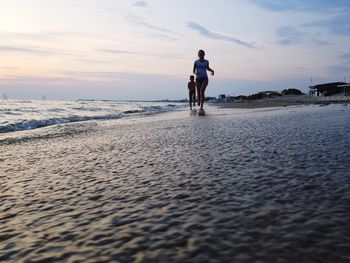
(210, 98)
(221, 97)
(229, 98)
(346, 89)
(328, 89)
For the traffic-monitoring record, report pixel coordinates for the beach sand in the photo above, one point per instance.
(231, 186)
(284, 101)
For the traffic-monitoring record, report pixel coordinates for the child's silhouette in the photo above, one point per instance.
(192, 91)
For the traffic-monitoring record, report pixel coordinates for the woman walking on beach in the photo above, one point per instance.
(200, 68)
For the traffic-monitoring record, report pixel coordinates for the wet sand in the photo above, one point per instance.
(279, 102)
(231, 186)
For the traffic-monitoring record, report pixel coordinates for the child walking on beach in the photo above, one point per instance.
(192, 91)
(200, 68)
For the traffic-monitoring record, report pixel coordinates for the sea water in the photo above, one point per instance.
(18, 115)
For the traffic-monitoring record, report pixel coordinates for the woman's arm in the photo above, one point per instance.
(194, 68)
(211, 70)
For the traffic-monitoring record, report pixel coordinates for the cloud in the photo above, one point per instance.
(43, 42)
(338, 25)
(335, 19)
(302, 5)
(345, 58)
(163, 33)
(8, 68)
(94, 61)
(52, 36)
(339, 69)
(217, 36)
(343, 66)
(292, 36)
(65, 76)
(136, 20)
(164, 36)
(289, 35)
(118, 51)
(140, 22)
(95, 85)
(126, 52)
(34, 51)
(140, 4)
(274, 5)
(97, 75)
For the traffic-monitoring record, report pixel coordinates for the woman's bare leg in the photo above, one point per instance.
(203, 87)
(198, 94)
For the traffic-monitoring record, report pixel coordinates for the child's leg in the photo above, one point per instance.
(190, 95)
(203, 87)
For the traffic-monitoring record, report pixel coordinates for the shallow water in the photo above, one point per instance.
(19, 115)
(233, 186)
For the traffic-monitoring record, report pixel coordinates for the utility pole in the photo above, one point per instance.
(311, 92)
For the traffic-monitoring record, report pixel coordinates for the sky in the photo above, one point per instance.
(145, 50)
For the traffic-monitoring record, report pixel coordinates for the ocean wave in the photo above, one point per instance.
(34, 124)
(157, 108)
(56, 110)
(11, 112)
(30, 124)
(132, 111)
(92, 109)
(18, 110)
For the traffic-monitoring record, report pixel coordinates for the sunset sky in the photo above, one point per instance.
(119, 49)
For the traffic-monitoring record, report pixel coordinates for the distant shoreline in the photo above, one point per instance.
(280, 102)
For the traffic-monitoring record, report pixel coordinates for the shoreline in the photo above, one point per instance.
(266, 103)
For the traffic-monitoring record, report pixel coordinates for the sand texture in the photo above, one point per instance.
(231, 186)
(284, 101)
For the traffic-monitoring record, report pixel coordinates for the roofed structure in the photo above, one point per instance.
(327, 89)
